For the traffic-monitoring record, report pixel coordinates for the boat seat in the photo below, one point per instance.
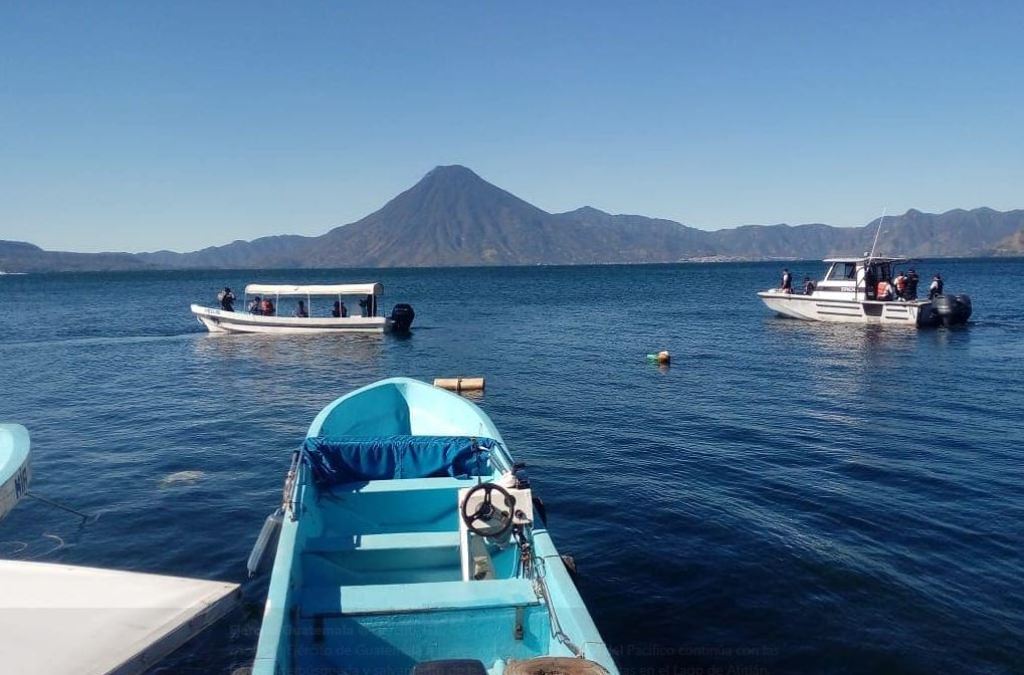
(320, 601)
(404, 485)
(381, 542)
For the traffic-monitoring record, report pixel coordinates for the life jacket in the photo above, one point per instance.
(882, 289)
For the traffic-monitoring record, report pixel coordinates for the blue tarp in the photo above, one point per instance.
(350, 459)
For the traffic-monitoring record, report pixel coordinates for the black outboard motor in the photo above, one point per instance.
(952, 310)
(402, 314)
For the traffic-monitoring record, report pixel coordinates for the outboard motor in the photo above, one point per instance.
(402, 314)
(927, 317)
(952, 310)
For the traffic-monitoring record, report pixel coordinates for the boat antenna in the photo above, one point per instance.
(877, 232)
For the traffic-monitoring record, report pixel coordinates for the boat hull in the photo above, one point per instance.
(823, 308)
(67, 620)
(15, 472)
(220, 321)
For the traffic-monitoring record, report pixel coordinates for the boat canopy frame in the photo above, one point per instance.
(315, 289)
(373, 290)
(870, 258)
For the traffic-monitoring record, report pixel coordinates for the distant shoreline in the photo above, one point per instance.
(349, 270)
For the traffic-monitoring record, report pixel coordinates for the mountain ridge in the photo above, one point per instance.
(453, 217)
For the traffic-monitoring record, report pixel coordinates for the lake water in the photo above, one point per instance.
(786, 497)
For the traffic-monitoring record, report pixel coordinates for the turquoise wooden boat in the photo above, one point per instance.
(410, 543)
(14, 466)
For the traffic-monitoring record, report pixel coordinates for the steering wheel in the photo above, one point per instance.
(497, 518)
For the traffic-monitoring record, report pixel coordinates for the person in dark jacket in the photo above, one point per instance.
(808, 286)
(870, 283)
(936, 287)
(227, 300)
(301, 311)
(254, 306)
(787, 281)
(912, 281)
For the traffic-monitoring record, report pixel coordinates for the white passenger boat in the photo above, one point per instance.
(851, 293)
(329, 315)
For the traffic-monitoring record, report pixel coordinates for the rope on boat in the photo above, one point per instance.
(288, 491)
(83, 516)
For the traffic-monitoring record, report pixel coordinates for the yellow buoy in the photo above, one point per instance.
(460, 384)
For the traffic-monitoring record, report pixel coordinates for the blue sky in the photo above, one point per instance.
(140, 125)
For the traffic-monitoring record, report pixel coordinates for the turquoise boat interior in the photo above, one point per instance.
(411, 543)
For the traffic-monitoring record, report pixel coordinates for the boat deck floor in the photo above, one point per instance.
(385, 575)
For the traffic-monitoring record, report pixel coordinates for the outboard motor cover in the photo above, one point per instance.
(402, 314)
(963, 303)
(952, 309)
(927, 317)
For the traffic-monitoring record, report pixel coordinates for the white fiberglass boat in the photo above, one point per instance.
(858, 290)
(267, 316)
(69, 620)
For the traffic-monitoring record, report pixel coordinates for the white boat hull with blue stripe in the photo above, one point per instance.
(410, 543)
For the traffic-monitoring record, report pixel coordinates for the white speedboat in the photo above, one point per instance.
(329, 315)
(852, 292)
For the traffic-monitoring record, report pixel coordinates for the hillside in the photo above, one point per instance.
(453, 217)
(19, 256)
(1013, 245)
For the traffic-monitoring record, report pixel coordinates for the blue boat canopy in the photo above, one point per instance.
(349, 459)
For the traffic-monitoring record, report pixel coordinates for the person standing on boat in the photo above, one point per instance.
(787, 281)
(339, 310)
(869, 283)
(901, 286)
(267, 307)
(936, 287)
(227, 299)
(254, 306)
(912, 281)
(368, 306)
(884, 291)
(300, 310)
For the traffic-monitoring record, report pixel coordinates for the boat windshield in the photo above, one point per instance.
(842, 271)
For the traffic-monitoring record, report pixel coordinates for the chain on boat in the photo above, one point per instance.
(533, 569)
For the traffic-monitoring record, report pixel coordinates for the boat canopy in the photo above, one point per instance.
(317, 289)
(349, 459)
(864, 258)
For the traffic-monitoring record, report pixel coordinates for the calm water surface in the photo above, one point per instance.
(786, 497)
